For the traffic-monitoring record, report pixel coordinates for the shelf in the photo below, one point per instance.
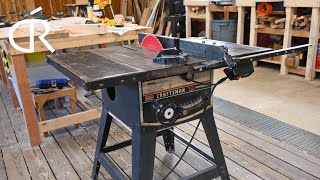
(294, 70)
(278, 12)
(295, 33)
(301, 33)
(297, 70)
(196, 3)
(270, 61)
(197, 15)
(299, 3)
(223, 8)
(269, 1)
(269, 30)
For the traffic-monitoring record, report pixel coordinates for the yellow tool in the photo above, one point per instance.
(99, 11)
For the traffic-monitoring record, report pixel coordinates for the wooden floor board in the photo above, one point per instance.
(193, 158)
(235, 170)
(182, 170)
(120, 157)
(73, 151)
(282, 154)
(263, 157)
(7, 136)
(37, 165)
(15, 164)
(118, 136)
(256, 167)
(3, 172)
(57, 160)
(68, 153)
(268, 139)
(169, 159)
(88, 145)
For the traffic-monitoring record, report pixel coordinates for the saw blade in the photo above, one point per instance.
(151, 42)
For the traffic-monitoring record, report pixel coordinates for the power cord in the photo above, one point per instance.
(202, 114)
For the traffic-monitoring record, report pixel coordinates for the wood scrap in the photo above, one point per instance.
(274, 22)
(130, 7)
(198, 10)
(273, 25)
(86, 28)
(124, 7)
(162, 19)
(137, 10)
(168, 29)
(301, 22)
(282, 20)
(144, 17)
(153, 15)
(148, 13)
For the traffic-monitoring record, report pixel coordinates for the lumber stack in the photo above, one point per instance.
(149, 13)
(301, 22)
(198, 10)
(271, 21)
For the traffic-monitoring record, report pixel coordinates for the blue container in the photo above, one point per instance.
(52, 83)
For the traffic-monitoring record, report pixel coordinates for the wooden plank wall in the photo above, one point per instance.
(16, 6)
(58, 5)
(28, 5)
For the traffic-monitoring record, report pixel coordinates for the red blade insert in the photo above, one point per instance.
(151, 42)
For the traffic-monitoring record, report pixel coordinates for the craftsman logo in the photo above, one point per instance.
(170, 93)
(166, 93)
(31, 22)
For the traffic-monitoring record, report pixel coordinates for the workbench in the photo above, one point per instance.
(59, 41)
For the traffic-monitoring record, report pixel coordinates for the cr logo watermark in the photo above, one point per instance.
(31, 22)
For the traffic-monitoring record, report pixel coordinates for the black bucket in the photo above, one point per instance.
(224, 30)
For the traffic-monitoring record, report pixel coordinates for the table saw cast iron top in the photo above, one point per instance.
(153, 87)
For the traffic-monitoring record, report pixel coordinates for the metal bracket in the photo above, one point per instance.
(170, 56)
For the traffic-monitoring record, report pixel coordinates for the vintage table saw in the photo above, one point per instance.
(151, 91)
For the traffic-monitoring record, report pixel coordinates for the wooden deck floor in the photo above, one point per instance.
(68, 153)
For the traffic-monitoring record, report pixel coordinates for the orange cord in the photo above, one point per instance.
(264, 9)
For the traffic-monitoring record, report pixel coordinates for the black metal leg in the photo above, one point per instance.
(164, 27)
(168, 139)
(174, 25)
(211, 131)
(143, 152)
(105, 124)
